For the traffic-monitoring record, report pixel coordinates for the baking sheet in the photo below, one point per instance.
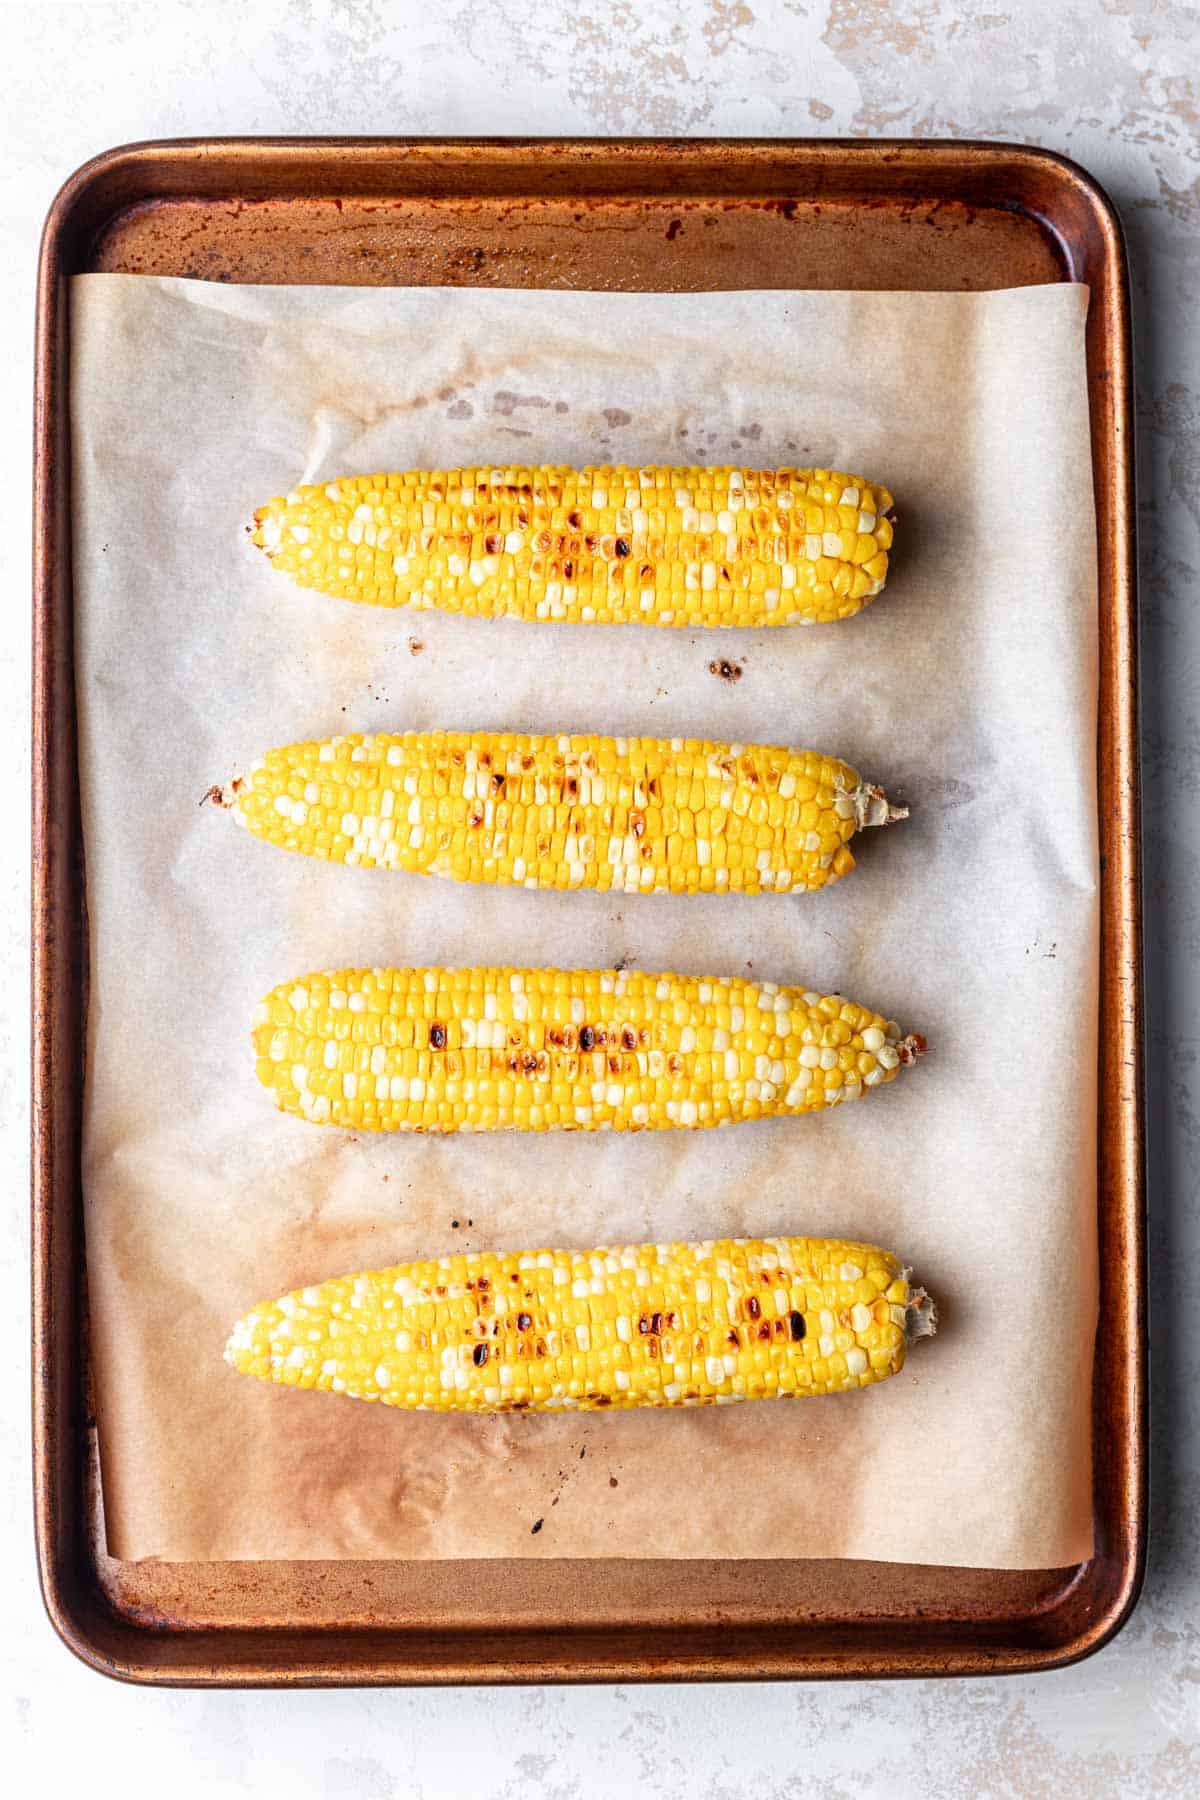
(969, 688)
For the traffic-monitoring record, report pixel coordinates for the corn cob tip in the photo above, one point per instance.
(910, 1047)
(872, 807)
(225, 796)
(264, 530)
(253, 1332)
(920, 1314)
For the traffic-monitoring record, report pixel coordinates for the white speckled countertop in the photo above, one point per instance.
(1110, 82)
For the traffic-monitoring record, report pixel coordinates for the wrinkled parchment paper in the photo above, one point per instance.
(968, 689)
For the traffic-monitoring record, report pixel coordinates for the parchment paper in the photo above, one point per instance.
(968, 688)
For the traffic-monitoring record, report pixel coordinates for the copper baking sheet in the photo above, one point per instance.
(596, 214)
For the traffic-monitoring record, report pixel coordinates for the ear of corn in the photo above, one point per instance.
(641, 815)
(645, 1325)
(657, 545)
(496, 1049)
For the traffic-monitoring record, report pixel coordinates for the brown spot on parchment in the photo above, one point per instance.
(362, 407)
(945, 794)
(506, 403)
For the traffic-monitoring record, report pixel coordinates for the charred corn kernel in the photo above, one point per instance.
(565, 812)
(640, 1325)
(498, 1049)
(655, 545)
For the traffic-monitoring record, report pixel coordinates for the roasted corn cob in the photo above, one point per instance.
(642, 815)
(659, 546)
(540, 1049)
(643, 1325)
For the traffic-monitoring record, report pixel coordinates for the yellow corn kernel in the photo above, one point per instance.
(564, 812)
(499, 1049)
(639, 1325)
(655, 545)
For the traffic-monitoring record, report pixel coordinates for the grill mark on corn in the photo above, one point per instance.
(629, 1325)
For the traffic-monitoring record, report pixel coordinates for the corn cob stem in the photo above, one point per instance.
(656, 545)
(640, 815)
(642, 1325)
(872, 807)
(498, 1049)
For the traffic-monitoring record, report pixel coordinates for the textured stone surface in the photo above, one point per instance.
(1111, 82)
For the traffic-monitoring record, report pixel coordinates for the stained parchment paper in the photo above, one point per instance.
(968, 689)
